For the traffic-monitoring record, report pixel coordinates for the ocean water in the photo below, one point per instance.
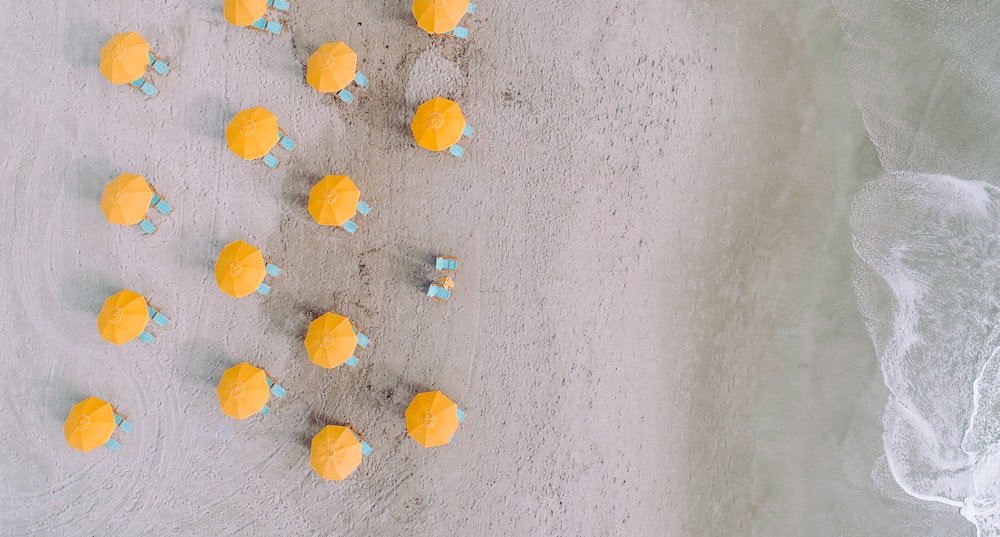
(926, 236)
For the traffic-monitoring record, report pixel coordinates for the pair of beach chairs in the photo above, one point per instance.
(447, 265)
(363, 209)
(277, 390)
(158, 318)
(272, 270)
(125, 426)
(363, 342)
(161, 205)
(345, 95)
(271, 27)
(286, 142)
(145, 85)
(460, 32)
(457, 150)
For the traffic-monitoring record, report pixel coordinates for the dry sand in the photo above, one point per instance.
(651, 192)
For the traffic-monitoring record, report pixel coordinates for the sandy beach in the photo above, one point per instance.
(654, 330)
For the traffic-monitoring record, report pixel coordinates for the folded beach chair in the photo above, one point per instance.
(285, 140)
(264, 288)
(350, 226)
(270, 26)
(360, 79)
(123, 423)
(271, 161)
(446, 263)
(158, 65)
(456, 150)
(345, 96)
(280, 5)
(113, 444)
(467, 131)
(364, 208)
(146, 338)
(438, 293)
(160, 204)
(156, 316)
(147, 227)
(146, 86)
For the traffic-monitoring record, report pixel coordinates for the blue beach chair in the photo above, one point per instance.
(467, 131)
(269, 26)
(363, 340)
(277, 389)
(123, 423)
(156, 316)
(272, 269)
(147, 227)
(438, 293)
(271, 161)
(158, 65)
(364, 208)
(280, 5)
(350, 226)
(146, 86)
(113, 444)
(345, 96)
(456, 150)
(458, 32)
(285, 140)
(352, 361)
(264, 288)
(365, 448)
(360, 79)
(160, 204)
(265, 410)
(461, 414)
(446, 263)
(146, 338)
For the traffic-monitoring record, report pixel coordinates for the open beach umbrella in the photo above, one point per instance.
(252, 133)
(438, 124)
(334, 200)
(89, 424)
(439, 16)
(330, 340)
(332, 67)
(124, 58)
(126, 199)
(335, 452)
(243, 12)
(243, 391)
(123, 317)
(240, 269)
(432, 418)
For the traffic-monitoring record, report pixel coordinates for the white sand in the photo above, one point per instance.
(636, 218)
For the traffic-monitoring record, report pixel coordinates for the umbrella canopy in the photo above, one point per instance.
(332, 67)
(334, 200)
(240, 269)
(330, 340)
(252, 133)
(89, 424)
(243, 12)
(438, 124)
(432, 418)
(124, 58)
(439, 16)
(123, 317)
(243, 391)
(126, 199)
(335, 452)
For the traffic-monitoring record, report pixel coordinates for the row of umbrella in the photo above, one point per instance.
(335, 452)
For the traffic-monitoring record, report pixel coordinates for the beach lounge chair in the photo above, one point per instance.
(124, 424)
(146, 86)
(364, 208)
(280, 5)
(458, 32)
(456, 150)
(360, 79)
(363, 340)
(446, 263)
(269, 26)
(156, 316)
(345, 96)
(265, 410)
(272, 269)
(160, 204)
(146, 338)
(276, 389)
(158, 65)
(352, 361)
(113, 444)
(350, 226)
(467, 131)
(365, 448)
(472, 9)
(461, 414)
(264, 288)
(438, 293)
(285, 140)
(271, 161)
(147, 227)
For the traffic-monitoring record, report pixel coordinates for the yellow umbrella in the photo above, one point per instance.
(124, 58)
(123, 317)
(334, 200)
(432, 418)
(438, 124)
(126, 199)
(243, 391)
(330, 340)
(240, 269)
(439, 16)
(243, 12)
(335, 452)
(89, 424)
(252, 133)
(332, 67)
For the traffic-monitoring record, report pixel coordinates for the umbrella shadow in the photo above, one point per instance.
(86, 290)
(84, 36)
(93, 174)
(207, 116)
(206, 360)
